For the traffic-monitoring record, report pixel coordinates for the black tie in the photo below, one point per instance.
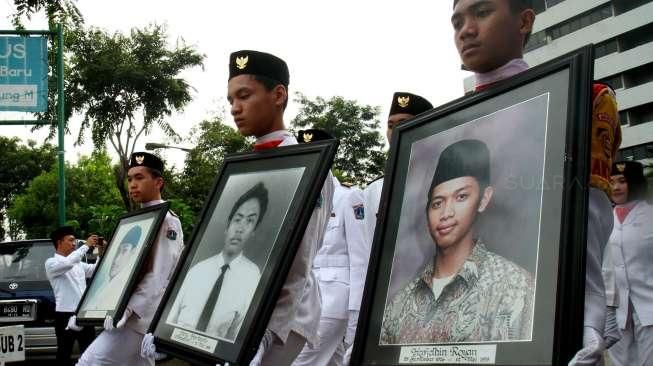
(210, 303)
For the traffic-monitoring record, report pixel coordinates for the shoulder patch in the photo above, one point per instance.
(359, 211)
(171, 234)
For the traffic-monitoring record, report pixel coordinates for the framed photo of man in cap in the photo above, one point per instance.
(118, 269)
(220, 299)
(475, 258)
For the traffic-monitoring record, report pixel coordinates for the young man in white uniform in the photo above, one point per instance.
(340, 267)
(121, 346)
(258, 94)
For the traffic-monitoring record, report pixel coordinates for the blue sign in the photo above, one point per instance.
(23, 74)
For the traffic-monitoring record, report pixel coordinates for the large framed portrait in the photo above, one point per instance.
(117, 271)
(223, 292)
(478, 254)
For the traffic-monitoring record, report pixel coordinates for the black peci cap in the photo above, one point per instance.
(409, 103)
(249, 62)
(60, 233)
(312, 135)
(147, 160)
(465, 158)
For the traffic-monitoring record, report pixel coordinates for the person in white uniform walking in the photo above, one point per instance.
(340, 267)
(631, 245)
(122, 346)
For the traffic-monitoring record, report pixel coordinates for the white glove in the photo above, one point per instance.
(612, 333)
(347, 357)
(125, 316)
(352, 322)
(72, 324)
(108, 323)
(148, 349)
(266, 342)
(592, 351)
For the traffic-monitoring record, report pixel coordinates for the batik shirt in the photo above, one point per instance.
(489, 299)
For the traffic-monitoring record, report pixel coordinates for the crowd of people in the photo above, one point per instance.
(316, 314)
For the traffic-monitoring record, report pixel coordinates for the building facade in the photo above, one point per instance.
(622, 32)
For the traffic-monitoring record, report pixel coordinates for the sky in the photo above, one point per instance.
(363, 50)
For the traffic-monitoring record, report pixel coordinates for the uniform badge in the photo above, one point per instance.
(403, 101)
(359, 212)
(241, 62)
(171, 234)
(140, 159)
(333, 214)
(307, 136)
(621, 167)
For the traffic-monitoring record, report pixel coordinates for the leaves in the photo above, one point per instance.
(360, 157)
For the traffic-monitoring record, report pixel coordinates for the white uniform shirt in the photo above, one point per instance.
(631, 244)
(238, 287)
(372, 199)
(161, 262)
(298, 306)
(341, 263)
(67, 276)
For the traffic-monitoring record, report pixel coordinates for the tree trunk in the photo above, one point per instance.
(121, 174)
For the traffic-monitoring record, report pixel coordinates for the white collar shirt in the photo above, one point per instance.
(67, 276)
(238, 288)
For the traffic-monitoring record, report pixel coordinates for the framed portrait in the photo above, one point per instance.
(478, 254)
(117, 271)
(219, 301)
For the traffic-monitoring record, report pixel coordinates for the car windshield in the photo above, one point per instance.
(24, 261)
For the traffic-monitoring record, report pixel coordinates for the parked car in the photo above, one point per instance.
(26, 296)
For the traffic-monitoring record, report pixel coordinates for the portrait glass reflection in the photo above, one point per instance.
(465, 258)
(119, 263)
(217, 290)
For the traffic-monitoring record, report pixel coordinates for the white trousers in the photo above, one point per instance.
(636, 345)
(273, 352)
(119, 347)
(330, 351)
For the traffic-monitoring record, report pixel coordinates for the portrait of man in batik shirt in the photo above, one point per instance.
(466, 293)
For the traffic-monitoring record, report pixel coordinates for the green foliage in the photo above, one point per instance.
(186, 215)
(360, 156)
(56, 11)
(19, 164)
(90, 185)
(213, 140)
(124, 86)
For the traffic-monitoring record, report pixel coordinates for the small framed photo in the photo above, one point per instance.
(117, 272)
(478, 254)
(219, 301)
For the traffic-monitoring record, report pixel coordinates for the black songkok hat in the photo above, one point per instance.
(248, 62)
(633, 171)
(409, 103)
(146, 160)
(465, 158)
(528, 4)
(312, 135)
(61, 232)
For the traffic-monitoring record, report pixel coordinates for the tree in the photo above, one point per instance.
(19, 164)
(91, 186)
(124, 86)
(360, 157)
(213, 140)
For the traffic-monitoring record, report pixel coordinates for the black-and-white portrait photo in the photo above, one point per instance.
(217, 290)
(465, 258)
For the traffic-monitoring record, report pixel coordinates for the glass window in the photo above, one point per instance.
(623, 118)
(24, 261)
